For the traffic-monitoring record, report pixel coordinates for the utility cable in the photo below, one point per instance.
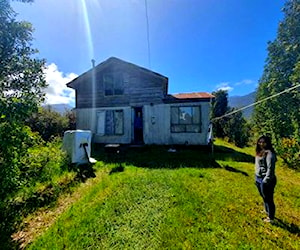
(255, 103)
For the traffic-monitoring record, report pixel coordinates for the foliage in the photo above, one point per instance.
(15, 141)
(21, 91)
(237, 130)
(44, 163)
(280, 116)
(21, 76)
(48, 123)
(234, 127)
(42, 175)
(219, 108)
(289, 150)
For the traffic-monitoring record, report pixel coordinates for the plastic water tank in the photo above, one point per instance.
(77, 144)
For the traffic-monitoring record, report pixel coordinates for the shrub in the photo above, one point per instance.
(48, 123)
(15, 141)
(289, 150)
(44, 163)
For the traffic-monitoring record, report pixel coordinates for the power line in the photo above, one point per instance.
(260, 101)
(148, 37)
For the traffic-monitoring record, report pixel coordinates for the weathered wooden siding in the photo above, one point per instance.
(87, 119)
(157, 128)
(156, 125)
(139, 87)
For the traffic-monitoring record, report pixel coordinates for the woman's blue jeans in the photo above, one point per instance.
(266, 191)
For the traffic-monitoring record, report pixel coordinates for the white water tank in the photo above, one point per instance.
(77, 144)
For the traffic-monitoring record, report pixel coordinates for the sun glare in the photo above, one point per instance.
(87, 26)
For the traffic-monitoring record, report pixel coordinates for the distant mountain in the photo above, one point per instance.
(242, 101)
(60, 108)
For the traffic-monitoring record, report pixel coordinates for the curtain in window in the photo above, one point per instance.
(109, 122)
(118, 119)
(101, 123)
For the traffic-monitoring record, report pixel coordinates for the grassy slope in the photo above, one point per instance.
(191, 207)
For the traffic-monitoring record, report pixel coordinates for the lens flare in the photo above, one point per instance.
(90, 47)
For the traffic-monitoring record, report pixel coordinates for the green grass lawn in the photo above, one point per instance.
(182, 200)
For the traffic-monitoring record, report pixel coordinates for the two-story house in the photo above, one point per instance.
(123, 103)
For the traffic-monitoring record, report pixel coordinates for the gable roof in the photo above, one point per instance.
(114, 60)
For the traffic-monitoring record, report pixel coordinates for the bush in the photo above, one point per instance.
(237, 129)
(44, 163)
(48, 123)
(289, 150)
(15, 141)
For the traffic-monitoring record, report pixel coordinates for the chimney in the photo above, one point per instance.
(93, 63)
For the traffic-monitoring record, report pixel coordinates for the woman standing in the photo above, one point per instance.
(265, 160)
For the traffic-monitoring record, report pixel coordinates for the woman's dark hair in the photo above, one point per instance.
(268, 141)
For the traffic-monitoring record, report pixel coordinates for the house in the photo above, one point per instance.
(123, 103)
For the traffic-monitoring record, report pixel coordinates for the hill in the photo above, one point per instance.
(242, 101)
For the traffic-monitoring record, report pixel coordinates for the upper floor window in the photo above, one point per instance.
(113, 84)
(186, 119)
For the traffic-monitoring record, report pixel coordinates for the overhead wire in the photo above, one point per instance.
(255, 103)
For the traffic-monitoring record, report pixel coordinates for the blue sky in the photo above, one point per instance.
(200, 45)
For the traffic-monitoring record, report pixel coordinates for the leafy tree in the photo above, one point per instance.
(21, 91)
(280, 116)
(219, 108)
(48, 123)
(236, 129)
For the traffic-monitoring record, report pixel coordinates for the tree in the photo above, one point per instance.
(280, 116)
(21, 92)
(236, 129)
(21, 76)
(219, 108)
(48, 123)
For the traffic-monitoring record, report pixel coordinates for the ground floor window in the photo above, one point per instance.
(110, 122)
(186, 119)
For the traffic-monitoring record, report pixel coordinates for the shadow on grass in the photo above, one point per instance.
(292, 228)
(160, 156)
(231, 169)
(226, 154)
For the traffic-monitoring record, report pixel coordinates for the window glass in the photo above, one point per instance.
(196, 115)
(193, 128)
(114, 122)
(113, 84)
(185, 115)
(178, 128)
(118, 119)
(109, 122)
(101, 123)
(108, 82)
(186, 119)
(119, 85)
(174, 115)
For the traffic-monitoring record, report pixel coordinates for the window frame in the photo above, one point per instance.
(110, 114)
(174, 125)
(117, 82)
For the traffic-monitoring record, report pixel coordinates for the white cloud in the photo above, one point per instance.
(57, 91)
(245, 82)
(224, 86)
